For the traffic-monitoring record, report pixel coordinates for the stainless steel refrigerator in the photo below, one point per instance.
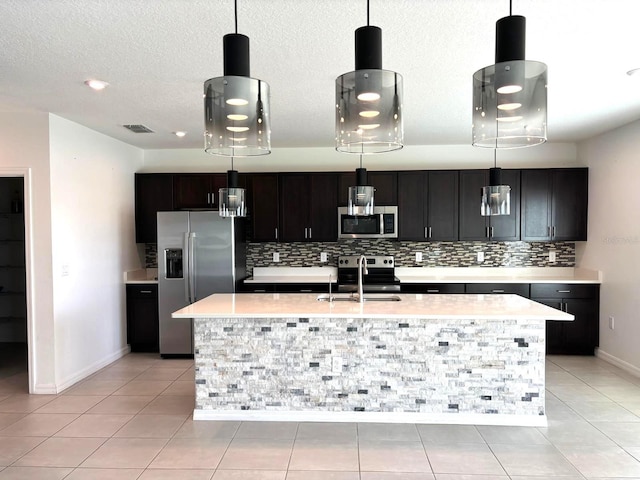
(199, 253)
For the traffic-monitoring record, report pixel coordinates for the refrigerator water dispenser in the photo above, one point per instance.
(173, 262)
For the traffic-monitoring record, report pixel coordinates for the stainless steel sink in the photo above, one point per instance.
(325, 297)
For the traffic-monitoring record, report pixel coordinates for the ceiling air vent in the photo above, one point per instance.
(138, 128)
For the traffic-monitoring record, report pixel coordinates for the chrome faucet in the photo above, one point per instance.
(362, 269)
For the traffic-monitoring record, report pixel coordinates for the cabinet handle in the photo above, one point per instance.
(305, 232)
(426, 234)
(309, 233)
(491, 236)
(486, 232)
(548, 231)
(497, 290)
(430, 231)
(433, 290)
(213, 198)
(259, 290)
(145, 291)
(305, 290)
(208, 198)
(553, 231)
(276, 232)
(563, 291)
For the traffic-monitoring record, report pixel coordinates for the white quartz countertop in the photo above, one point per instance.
(142, 275)
(295, 305)
(435, 275)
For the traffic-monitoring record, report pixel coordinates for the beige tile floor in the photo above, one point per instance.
(132, 420)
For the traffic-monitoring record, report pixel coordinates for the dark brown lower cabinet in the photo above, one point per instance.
(581, 336)
(142, 317)
(432, 288)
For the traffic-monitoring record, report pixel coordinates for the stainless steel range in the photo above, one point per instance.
(380, 275)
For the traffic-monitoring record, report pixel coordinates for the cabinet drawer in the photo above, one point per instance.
(432, 288)
(142, 290)
(564, 290)
(521, 289)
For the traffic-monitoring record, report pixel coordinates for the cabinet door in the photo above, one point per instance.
(264, 207)
(536, 205)
(385, 183)
(506, 228)
(411, 200)
(294, 207)
(569, 207)
(323, 221)
(153, 194)
(142, 318)
(581, 335)
(191, 191)
(442, 205)
(473, 226)
(218, 181)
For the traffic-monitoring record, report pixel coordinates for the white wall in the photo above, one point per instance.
(93, 238)
(327, 159)
(24, 150)
(614, 238)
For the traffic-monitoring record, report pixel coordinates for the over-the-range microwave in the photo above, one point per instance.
(383, 223)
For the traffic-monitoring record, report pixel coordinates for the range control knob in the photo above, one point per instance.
(390, 262)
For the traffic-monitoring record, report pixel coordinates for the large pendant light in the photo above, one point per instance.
(369, 100)
(236, 106)
(496, 198)
(361, 196)
(232, 199)
(510, 97)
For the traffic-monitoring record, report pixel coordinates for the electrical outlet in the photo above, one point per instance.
(418, 257)
(276, 257)
(612, 324)
(552, 256)
(323, 257)
(480, 257)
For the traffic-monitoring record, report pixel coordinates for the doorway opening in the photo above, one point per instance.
(14, 369)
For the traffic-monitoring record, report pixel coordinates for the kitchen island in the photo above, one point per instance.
(474, 359)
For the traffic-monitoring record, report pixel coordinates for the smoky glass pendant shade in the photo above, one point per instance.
(232, 202)
(496, 200)
(369, 112)
(510, 105)
(361, 200)
(236, 110)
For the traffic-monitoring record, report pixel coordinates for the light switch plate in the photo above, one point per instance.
(276, 257)
(323, 257)
(480, 257)
(418, 257)
(552, 256)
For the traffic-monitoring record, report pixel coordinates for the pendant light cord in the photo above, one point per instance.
(235, 10)
(231, 162)
(510, 7)
(368, 12)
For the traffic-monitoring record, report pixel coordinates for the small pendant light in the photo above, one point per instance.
(236, 107)
(232, 199)
(361, 197)
(369, 100)
(510, 97)
(496, 198)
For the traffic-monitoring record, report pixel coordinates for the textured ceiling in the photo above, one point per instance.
(156, 54)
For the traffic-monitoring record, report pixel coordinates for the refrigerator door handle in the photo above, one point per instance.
(192, 267)
(187, 268)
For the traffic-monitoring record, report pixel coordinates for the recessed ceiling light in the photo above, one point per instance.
(634, 71)
(96, 84)
(180, 134)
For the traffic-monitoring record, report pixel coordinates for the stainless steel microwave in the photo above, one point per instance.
(382, 224)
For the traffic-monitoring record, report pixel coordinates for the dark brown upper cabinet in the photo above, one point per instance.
(428, 205)
(153, 194)
(385, 183)
(193, 191)
(473, 226)
(554, 204)
(309, 207)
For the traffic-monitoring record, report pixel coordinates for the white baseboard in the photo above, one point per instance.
(626, 366)
(45, 389)
(368, 417)
(93, 368)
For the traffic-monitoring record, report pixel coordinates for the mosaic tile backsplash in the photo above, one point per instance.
(479, 366)
(435, 254)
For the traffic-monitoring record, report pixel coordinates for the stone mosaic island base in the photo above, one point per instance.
(459, 359)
